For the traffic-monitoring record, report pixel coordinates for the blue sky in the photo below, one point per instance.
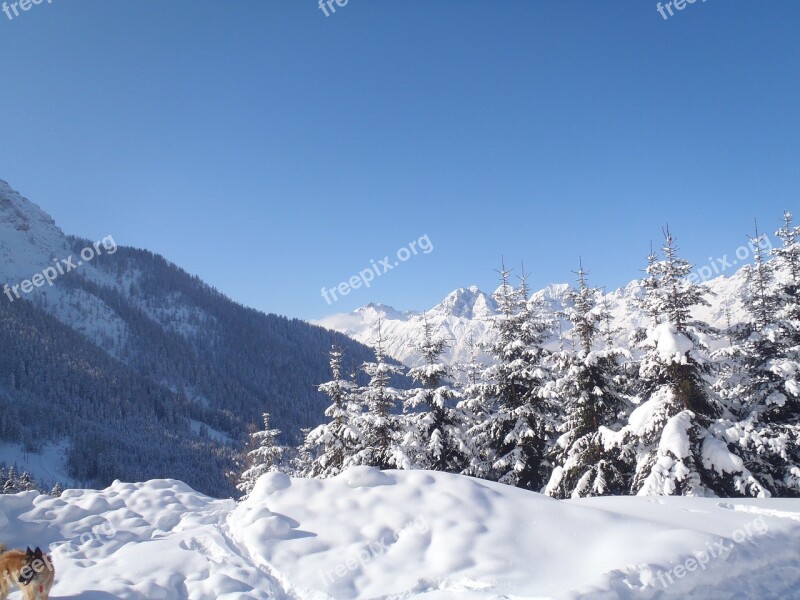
(273, 150)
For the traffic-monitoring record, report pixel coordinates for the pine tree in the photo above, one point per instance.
(760, 374)
(433, 424)
(11, 484)
(57, 490)
(589, 388)
(379, 426)
(329, 446)
(263, 457)
(650, 290)
(301, 458)
(518, 429)
(25, 483)
(671, 428)
(475, 412)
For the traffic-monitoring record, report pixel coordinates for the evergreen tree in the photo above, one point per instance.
(25, 483)
(57, 490)
(263, 457)
(378, 424)
(589, 388)
(475, 413)
(518, 429)
(433, 424)
(760, 372)
(11, 485)
(670, 430)
(328, 448)
(301, 458)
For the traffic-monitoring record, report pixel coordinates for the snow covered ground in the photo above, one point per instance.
(404, 534)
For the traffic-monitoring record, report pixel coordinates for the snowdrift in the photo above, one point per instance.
(404, 534)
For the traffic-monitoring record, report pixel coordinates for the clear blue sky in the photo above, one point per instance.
(273, 150)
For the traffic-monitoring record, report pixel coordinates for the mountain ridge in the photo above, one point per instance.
(464, 316)
(203, 367)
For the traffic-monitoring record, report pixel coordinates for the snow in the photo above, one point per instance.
(403, 534)
(465, 314)
(716, 456)
(671, 344)
(30, 241)
(645, 415)
(675, 437)
(47, 466)
(212, 433)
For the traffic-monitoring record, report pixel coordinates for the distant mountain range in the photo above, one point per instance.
(127, 367)
(464, 318)
(137, 368)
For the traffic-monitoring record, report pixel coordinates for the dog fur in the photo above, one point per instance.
(18, 565)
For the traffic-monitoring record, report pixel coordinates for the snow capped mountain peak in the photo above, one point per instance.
(29, 238)
(554, 290)
(377, 310)
(467, 303)
(463, 318)
(21, 213)
(554, 296)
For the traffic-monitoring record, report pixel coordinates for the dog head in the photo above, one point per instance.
(36, 562)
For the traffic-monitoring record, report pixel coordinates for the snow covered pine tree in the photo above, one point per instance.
(474, 412)
(433, 436)
(671, 429)
(378, 445)
(519, 424)
(762, 366)
(263, 457)
(589, 388)
(330, 445)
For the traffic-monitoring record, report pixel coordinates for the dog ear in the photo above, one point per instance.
(28, 551)
(37, 552)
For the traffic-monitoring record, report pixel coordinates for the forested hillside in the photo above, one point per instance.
(144, 370)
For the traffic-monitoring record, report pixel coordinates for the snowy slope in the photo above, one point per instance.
(465, 315)
(30, 241)
(404, 534)
(30, 238)
(131, 315)
(47, 467)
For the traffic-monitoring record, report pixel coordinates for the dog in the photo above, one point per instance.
(31, 571)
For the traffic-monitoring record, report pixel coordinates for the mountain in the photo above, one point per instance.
(461, 317)
(464, 318)
(136, 368)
